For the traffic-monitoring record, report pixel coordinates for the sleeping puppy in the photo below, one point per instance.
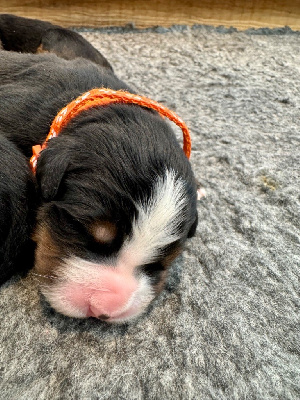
(117, 193)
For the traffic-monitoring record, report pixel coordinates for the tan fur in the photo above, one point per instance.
(47, 255)
(167, 261)
(40, 50)
(104, 232)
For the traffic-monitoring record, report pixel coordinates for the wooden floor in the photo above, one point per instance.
(241, 14)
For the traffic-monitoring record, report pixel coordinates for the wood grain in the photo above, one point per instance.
(241, 14)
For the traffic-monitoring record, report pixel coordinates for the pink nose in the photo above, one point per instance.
(114, 298)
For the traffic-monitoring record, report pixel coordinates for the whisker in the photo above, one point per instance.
(44, 276)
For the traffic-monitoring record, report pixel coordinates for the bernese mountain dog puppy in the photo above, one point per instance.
(117, 196)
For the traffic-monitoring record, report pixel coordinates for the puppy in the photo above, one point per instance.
(117, 193)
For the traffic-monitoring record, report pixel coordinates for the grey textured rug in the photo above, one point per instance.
(227, 325)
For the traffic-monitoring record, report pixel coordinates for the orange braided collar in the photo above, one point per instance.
(97, 97)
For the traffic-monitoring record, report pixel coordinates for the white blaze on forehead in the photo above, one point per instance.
(158, 220)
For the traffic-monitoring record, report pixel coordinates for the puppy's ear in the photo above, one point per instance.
(193, 228)
(51, 167)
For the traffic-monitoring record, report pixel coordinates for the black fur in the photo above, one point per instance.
(103, 162)
(17, 207)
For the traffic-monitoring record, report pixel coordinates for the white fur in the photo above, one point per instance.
(88, 275)
(158, 220)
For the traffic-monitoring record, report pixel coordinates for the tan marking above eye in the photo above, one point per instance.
(104, 231)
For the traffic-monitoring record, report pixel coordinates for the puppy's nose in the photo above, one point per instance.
(113, 297)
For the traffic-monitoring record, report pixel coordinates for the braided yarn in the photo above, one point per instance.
(101, 97)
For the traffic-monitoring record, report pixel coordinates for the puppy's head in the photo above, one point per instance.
(119, 203)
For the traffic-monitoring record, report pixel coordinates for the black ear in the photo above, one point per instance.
(51, 167)
(69, 45)
(193, 228)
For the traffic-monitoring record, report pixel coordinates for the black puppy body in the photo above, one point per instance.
(17, 205)
(33, 88)
(118, 194)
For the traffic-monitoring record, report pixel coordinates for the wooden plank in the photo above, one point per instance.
(241, 14)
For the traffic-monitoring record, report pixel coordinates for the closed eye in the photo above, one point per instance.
(153, 270)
